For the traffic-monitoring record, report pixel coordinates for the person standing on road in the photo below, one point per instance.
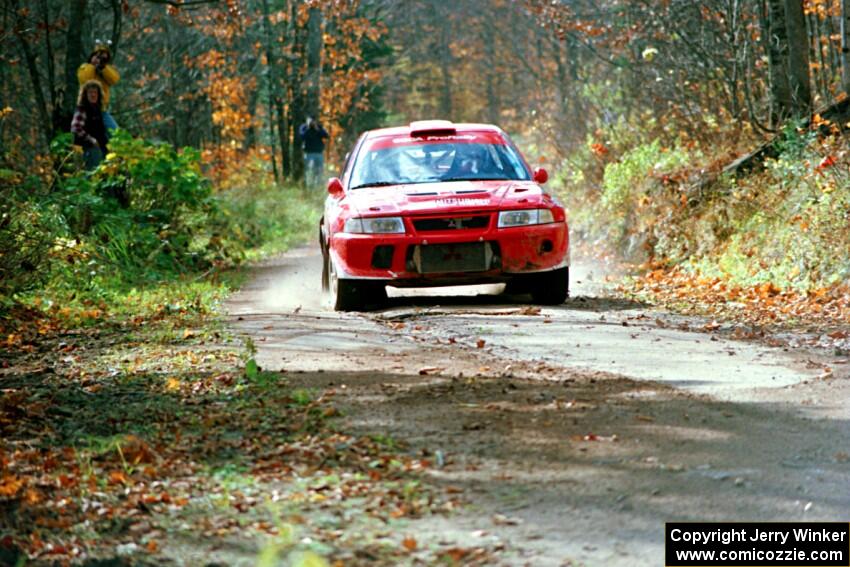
(99, 69)
(313, 137)
(88, 124)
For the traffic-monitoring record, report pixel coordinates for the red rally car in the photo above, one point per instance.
(437, 204)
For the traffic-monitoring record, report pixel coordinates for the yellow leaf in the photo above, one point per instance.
(10, 485)
(172, 384)
(310, 559)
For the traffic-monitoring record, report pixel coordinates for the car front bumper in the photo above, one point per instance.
(414, 260)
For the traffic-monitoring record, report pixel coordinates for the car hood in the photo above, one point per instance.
(455, 196)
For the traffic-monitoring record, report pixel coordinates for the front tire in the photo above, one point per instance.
(353, 295)
(326, 276)
(517, 287)
(551, 288)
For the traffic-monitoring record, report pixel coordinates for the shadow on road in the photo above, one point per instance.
(622, 456)
(578, 303)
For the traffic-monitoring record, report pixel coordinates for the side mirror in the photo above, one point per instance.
(335, 187)
(540, 176)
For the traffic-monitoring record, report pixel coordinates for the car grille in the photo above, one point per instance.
(452, 223)
(446, 258)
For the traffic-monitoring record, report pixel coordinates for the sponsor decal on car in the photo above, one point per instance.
(463, 201)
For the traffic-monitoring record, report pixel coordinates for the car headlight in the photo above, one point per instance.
(376, 225)
(525, 217)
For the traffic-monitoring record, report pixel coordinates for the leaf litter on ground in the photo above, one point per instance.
(114, 436)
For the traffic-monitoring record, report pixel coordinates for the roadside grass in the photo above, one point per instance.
(275, 217)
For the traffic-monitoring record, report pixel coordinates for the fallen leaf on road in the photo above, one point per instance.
(457, 553)
(594, 437)
(409, 543)
(501, 520)
(480, 343)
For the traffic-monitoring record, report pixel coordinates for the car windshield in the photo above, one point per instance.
(447, 159)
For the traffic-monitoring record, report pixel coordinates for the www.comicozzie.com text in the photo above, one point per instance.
(726, 536)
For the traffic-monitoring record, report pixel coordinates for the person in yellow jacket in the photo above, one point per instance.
(99, 69)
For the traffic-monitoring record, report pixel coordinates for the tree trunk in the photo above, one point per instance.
(117, 23)
(491, 75)
(445, 54)
(777, 35)
(272, 139)
(45, 124)
(561, 64)
(273, 87)
(798, 58)
(296, 113)
(819, 77)
(74, 53)
(845, 45)
(251, 135)
(48, 45)
(312, 95)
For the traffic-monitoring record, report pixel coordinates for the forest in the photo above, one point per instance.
(701, 147)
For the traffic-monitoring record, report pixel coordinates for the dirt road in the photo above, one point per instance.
(573, 433)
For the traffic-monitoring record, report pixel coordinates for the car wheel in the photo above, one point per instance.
(342, 296)
(552, 288)
(326, 276)
(516, 287)
(325, 254)
(353, 295)
(375, 293)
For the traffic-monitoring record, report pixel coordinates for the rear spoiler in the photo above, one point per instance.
(425, 128)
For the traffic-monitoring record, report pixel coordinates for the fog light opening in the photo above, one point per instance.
(382, 257)
(546, 246)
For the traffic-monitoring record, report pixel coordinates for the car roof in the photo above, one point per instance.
(436, 125)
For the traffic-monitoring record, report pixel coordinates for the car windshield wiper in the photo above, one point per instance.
(377, 184)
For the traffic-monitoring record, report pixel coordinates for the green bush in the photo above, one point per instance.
(634, 195)
(28, 232)
(798, 235)
(147, 214)
(146, 210)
